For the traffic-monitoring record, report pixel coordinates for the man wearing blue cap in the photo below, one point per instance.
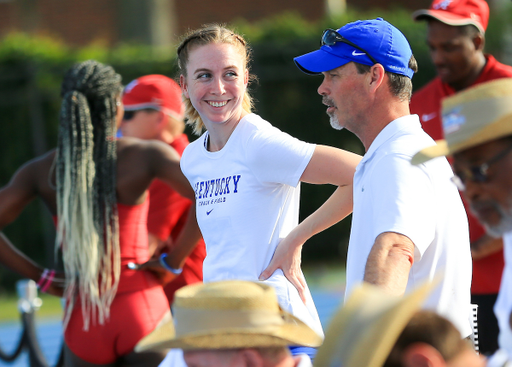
(408, 223)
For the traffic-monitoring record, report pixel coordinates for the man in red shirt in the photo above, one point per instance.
(456, 39)
(154, 110)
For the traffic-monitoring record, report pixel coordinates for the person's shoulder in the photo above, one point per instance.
(195, 144)
(180, 143)
(44, 159)
(407, 138)
(193, 149)
(40, 164)
(131, 148)
(253, 129)
(498, 70)
(253, 122)
(257, 127)
(33, 174)
(135, 143)
(427, 99)
(428, 89)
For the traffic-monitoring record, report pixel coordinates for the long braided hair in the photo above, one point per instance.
(88, 229)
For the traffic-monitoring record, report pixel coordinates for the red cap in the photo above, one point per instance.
(154, 91)
(457, 13)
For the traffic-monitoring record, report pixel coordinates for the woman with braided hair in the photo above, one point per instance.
(95, 186)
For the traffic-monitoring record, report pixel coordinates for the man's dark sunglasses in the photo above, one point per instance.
(477, 173)
(331, 37)
(128, 115)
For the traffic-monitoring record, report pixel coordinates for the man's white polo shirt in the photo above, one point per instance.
(420, 202)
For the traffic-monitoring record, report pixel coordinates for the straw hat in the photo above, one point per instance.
(472, 117)
(364, 330)
(229, 314)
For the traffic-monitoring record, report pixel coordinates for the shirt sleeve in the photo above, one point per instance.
(277, 157)
(404, 201)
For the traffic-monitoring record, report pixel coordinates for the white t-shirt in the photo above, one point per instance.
(247, 200)
(503, 305)
(420, 202)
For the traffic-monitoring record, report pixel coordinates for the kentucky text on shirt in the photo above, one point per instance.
(219, 186)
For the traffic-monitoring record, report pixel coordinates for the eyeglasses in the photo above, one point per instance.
(477, 173)
(330, 37)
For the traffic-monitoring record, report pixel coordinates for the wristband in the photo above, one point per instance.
(49, 281)
(164, 263)
(42, 278)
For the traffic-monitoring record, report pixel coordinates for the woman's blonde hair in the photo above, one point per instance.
(211, 33)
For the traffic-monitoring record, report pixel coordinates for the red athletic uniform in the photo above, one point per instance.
(139, 304)
(426, 103)
(167, 214)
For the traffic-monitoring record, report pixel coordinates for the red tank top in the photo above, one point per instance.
(133, 242)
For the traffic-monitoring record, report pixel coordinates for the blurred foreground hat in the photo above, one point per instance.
(472, 117)
(457, 13)
(365, 42)
(154, 91)
(366, 327)
(229, 314)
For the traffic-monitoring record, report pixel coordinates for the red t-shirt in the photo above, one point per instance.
(426, 103)
(167, 214)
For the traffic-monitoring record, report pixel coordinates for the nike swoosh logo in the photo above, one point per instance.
(208, 212)
(428, 116)
(354, 53)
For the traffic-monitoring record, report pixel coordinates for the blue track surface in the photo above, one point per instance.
(49, 331)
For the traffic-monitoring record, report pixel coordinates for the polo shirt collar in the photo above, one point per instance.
(409, 122)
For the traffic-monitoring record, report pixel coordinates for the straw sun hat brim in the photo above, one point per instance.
(473, 117)
(292, 332)
(364, 330)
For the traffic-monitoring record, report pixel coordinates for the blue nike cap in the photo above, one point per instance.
(365, 42)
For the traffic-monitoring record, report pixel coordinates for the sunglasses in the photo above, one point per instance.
(477, 173)
(128, 115)
(330, 37)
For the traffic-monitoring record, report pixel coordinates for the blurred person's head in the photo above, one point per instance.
(153, 109)
(477, 124)
(231, 323)
(213, 63)
(455, 37)
(242, 357)
(364, 330)
(430, 340)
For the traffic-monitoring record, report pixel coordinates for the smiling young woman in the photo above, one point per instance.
(246, 175)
